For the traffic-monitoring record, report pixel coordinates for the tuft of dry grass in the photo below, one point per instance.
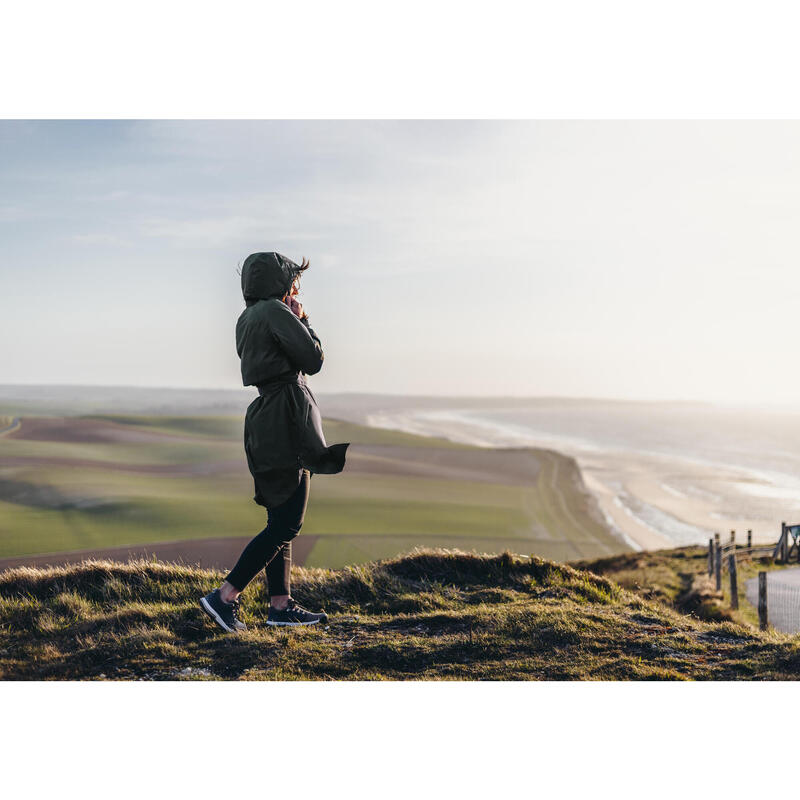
(430, 615)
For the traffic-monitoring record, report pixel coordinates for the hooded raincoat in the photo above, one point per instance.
(283, 426)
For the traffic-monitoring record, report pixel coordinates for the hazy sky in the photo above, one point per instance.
(609, 259)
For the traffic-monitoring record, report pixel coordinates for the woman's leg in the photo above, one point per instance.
(283, 524)
(279, 572)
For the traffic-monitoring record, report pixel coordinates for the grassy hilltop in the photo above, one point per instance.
(428, 615)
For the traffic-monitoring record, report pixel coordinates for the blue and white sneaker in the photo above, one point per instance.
(294, 614)
(226, 615)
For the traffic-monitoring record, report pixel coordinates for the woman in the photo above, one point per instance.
(283, 437)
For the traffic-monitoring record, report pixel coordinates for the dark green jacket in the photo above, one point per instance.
(283, 427)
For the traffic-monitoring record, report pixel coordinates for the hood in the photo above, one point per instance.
(266, 275)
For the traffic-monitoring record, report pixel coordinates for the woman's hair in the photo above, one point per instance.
(301, 268)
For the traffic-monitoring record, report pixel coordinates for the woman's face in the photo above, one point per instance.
(294, 289)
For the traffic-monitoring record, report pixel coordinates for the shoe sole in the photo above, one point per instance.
(204, 604)
(292, 624)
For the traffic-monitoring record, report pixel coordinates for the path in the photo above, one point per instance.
(554, 494)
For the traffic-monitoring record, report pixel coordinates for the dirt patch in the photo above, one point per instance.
(77, 430)
(702, 599)
(219, 553)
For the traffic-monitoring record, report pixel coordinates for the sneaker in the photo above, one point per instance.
(294, 614)
(226, 615)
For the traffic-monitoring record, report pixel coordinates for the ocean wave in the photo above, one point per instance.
(660, 521)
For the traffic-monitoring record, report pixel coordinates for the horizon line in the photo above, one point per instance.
(414, 396)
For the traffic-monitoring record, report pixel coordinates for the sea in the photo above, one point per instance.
(664, 473)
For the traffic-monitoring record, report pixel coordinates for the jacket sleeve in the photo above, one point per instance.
(297, 339)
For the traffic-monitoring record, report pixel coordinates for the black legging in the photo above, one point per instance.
(272, 548)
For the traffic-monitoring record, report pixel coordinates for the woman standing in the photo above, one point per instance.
(283, 437)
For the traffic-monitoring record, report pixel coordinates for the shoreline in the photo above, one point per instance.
(649, 500)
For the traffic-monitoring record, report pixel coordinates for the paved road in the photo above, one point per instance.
(785, 577)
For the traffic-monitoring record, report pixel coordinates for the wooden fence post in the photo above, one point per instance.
(716, 538)
(710, 556)
(718, 567)
(733, 538)
(734, 585)
(763, 619)
(776, 553)
(749, 538)
(784, 552)
(505, 565)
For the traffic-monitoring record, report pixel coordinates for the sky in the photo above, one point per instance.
(638, 260)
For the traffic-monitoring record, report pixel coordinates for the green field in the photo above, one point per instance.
(94, 482)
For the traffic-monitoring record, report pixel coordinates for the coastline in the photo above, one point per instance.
(650, 500)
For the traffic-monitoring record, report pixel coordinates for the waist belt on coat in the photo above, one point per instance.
(267, 387)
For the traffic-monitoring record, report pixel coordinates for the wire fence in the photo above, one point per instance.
(782, 601)
(776, 595)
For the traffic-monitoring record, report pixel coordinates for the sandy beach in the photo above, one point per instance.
(653, 500)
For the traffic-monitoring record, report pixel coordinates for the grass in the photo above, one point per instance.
(341, 431)
(228, 427)
(432, 614)
(181, 478)
(215, 427)
(679, 578)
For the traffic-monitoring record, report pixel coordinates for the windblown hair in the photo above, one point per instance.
(301, 268)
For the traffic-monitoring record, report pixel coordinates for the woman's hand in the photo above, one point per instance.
(295, 306)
